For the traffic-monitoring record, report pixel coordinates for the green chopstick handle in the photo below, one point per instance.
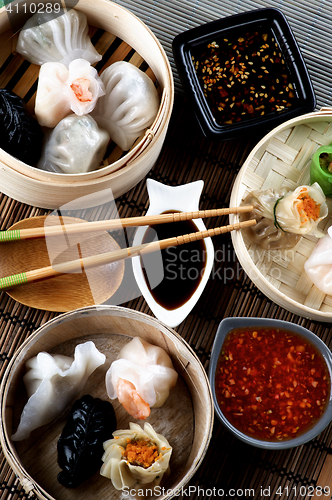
(13, 280)
(11, 235)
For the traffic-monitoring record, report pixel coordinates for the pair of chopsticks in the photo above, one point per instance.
(109, 257)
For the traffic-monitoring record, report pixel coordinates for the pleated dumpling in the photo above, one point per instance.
(63, 90)
(58, 36)
(76, 145)
(141, 377)
(52, 382)
(265, 233)
(319, 265)
(130, 104)
(123, 458)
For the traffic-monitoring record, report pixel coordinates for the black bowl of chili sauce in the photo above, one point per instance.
(243, 74)
(271, 381)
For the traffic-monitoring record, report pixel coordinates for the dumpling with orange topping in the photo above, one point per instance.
(283, 215)
(136, 457)
(141, 377)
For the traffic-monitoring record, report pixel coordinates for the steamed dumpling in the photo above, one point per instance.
(20, 133)
(300, 211)
(52, 382)
(76, 145)
(130, 104)
(63, 90)
(319, 265)
(52, 37)
(283, 215)
(119, 464)
(141, 377)
(265, 233)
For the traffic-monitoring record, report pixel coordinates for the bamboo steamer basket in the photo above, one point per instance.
(282, 159)
(113, 26)
(109, 327)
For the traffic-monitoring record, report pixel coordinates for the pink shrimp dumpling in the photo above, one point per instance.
(141, 377)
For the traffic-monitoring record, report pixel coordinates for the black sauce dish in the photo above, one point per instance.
(230, 324)
(230, 34)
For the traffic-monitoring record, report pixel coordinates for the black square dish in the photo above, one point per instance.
(243, 73)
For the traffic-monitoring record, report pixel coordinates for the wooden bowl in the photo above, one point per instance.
(282, 159)
(119, 35)
(190, 402)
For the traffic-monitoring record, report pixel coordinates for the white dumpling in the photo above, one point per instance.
(319, 265)
(130, 104)
(141, 377)
(63, 90)
(52, 37)
(300, 211)
(124, 474)
(76, 145)
(52, 382)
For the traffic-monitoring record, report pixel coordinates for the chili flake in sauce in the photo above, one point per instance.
(271, 384)
(244, 77)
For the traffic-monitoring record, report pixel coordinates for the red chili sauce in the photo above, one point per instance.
(271, 384)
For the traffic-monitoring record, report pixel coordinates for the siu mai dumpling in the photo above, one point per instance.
(52, 382)
(20, 133)
(130, 104)
(136, 457)
(141, 377)
(56, 37)
(63, 90)
(76, 145)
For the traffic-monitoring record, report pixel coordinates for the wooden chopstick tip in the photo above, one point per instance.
(241, 209)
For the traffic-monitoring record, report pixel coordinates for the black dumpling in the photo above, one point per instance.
(20, 134)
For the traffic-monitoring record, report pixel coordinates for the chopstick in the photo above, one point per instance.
(109, 257)
(108, 225)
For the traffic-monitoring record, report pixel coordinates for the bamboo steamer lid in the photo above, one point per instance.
(110, 327)
(282, 159)
(121, 171)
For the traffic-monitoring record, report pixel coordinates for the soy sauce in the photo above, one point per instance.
(183, 265)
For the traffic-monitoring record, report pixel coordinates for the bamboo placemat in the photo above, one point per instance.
(233, 468)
